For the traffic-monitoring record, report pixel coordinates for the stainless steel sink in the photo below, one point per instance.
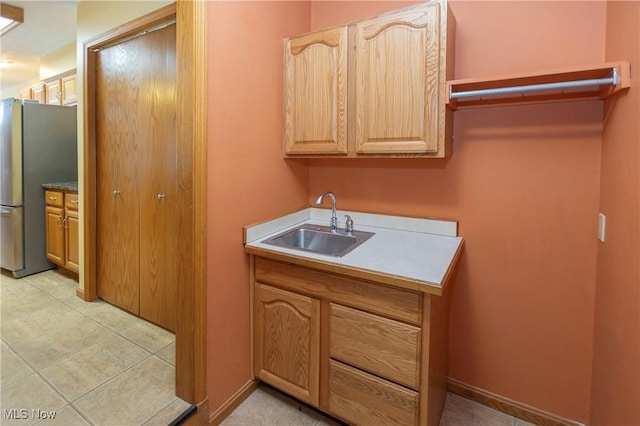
(319, 239)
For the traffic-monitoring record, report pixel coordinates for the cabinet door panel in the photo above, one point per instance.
(53, 92)
(39, 93)
(72, 252)
(55, 234)
(69, 90)
(287, 346)
(363, 399)
(376, 344)
(315, 93)
(397, 59)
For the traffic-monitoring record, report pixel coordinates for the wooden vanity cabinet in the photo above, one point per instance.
(391, 93)
(288, 341)
(380, 351)
(61, 227)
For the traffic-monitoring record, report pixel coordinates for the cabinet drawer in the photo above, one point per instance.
(53, 198)
(363, 399)
(71, 201)
(403, 305)
(382, 346)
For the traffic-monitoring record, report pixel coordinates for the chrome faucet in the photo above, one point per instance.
(334, 217)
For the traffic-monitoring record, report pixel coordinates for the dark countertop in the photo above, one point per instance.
(62, 186)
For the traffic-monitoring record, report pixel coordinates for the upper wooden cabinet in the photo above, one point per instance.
(61, 91)
(316, 93)
(39, 93)
(391, 92)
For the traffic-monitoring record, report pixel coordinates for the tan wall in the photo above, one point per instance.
(95, 18)
(615, 398)
(524, 183)
(58, 61)
(248, 179)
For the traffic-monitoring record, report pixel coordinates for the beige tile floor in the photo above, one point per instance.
(268, 407)
(80, 363)
(92, 363)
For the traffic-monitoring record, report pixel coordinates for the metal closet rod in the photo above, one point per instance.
(613, 80)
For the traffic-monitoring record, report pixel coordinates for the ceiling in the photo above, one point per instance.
(48, 25)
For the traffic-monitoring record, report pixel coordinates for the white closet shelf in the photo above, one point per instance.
(564, 84)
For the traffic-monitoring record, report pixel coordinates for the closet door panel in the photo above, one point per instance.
(117, 145)
(158, 187)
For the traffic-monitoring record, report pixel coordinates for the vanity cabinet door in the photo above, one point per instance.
(287, 342)
(315, 95)
(396, 76)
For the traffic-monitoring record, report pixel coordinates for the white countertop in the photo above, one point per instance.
(419, 250)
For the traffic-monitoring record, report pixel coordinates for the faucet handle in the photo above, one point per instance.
(348, 225)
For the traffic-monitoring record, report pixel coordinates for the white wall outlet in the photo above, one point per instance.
(602, 222)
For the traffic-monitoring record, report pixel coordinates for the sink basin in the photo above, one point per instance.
(319, 239)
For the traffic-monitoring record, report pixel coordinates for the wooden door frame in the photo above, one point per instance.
(191, 220)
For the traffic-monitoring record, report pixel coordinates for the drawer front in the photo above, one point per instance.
(403, 305)
(53, 198)
(363, 399)
(382, 346)
(71, 201)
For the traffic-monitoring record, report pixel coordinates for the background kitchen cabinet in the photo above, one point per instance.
(62, 229)
(288, 342)
(136, 176)
(54, 227)
(395, 104)
(25, 93)
(316, 93)
(71, 225)
(61, 91)
(39, 93)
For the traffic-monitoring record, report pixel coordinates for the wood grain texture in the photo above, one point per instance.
(157, 166)
(191, 17)
(587, 72)
(218, 416)
(508, 406)
(54, 198)
(71, 247)
(118, 133)
(379, 345)
(397, 70)
(394, 303)
(364, 399)
(315, 93)
(54, 234)
(191, 329)
(288, 342)
(393, 281)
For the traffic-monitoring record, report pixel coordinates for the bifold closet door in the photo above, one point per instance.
(158, 188)
(118, 134)
(136, 176)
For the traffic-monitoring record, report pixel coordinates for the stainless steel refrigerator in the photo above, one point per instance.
(38, 144)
